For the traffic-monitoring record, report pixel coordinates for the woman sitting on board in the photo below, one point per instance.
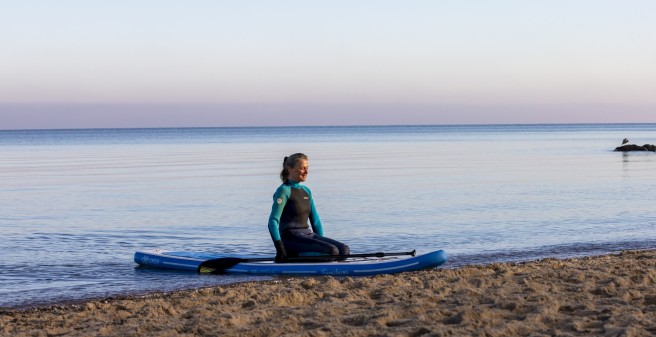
(292, 207)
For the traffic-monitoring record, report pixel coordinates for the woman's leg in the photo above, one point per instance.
(304, 241)
(342, 248)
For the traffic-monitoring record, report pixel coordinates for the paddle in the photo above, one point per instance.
(221, 264)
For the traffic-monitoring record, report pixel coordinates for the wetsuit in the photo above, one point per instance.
(292, 208)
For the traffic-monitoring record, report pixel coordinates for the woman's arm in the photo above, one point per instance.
(279, 201)
(314, 216)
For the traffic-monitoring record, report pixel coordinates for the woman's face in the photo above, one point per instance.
(299, 172)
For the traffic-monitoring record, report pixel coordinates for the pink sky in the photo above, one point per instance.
(56, 116)
(77, 64)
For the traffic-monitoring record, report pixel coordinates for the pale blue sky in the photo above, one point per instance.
(226, 63)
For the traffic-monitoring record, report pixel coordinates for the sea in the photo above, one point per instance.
(76, 204)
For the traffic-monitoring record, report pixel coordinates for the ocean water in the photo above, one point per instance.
(76, 204)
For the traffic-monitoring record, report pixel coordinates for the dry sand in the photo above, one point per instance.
(612, 295)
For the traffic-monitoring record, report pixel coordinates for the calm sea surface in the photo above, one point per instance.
(77, 204)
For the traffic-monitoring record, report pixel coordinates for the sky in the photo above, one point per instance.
(78, 64)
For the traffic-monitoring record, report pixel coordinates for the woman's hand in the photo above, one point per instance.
(281, 254)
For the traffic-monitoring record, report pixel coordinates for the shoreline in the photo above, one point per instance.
(612, 294)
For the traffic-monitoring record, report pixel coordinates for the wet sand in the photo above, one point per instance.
(613, 295)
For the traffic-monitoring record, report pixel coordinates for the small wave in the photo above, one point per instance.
(553, 251)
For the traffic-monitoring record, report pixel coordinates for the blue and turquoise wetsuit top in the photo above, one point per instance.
(292, 208)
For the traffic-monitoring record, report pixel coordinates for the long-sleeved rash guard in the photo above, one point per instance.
(292, 207)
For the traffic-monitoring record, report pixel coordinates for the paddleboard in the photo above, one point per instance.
(350, 267)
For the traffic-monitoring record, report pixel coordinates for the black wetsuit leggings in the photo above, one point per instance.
(299, 241)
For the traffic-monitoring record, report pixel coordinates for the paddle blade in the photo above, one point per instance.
(219, 266)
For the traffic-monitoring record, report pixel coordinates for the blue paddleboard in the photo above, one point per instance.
(350, 267)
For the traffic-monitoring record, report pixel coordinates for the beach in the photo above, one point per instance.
(610, 295)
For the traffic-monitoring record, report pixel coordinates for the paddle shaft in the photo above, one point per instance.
(223, 263)
(314, 258)
(379, 254)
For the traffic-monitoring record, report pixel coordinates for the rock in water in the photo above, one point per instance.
(633, 147)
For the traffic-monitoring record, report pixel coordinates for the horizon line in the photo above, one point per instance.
(327, 126)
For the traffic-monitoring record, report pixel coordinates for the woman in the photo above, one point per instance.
(292, 208)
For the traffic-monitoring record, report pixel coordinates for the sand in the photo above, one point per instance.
(613, 295)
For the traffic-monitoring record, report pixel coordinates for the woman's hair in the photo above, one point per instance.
(290, 162)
